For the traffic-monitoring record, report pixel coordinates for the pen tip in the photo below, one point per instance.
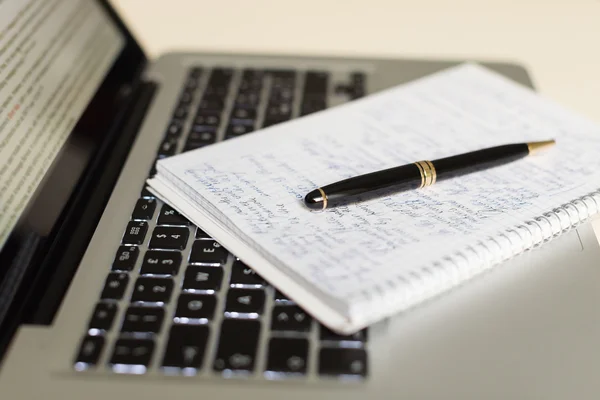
(314, 200)
(535, 147)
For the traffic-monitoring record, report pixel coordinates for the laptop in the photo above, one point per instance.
(107, 293)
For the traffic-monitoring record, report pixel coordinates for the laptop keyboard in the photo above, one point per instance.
(175, 301)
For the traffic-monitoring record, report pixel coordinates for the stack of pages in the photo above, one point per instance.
(354, 265)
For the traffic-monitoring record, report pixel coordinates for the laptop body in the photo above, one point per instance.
(107, 293)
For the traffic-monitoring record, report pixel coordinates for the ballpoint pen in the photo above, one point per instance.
(417, 175)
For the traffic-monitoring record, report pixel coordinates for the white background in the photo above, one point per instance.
(558, 40)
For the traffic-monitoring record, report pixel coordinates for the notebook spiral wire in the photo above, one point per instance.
(455, 270)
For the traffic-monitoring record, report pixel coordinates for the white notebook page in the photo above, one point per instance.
(256, 183)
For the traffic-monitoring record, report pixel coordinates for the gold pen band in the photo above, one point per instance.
(324, 196)
(428, 174)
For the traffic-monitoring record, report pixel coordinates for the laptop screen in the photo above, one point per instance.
(69, 73)
(53, 56)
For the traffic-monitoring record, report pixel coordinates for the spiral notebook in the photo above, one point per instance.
(355, 265)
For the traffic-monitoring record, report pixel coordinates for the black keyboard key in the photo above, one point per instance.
(357, 94)
(358, 78)
(343, 361)
(216, 91)
(316, 82)
(203, 278)
(152, 170)
(103, 316)
(143, 319)
(207, 119)
(211, 104)
(200, 234)
(208, 252)
(203, 128)
(206, 116)
(280, 297)
(327, 334)
(277, 114)
(190, 84)
(283, 92)
(146, 193)
(222, 71)
(195, 307)
(196, 72)
(241, 274)
(186, 97)
(131, 352)
(238, 343)
(200, 138)
(160, 262)
(252, 75)
(152, 290)
(186, 346)
(358, 85)
(342, 89)
(89, 352)
(205, 137)
(169, 237)
(273, 121)
(309, 110)
(248, 100)
(191, 145)
(180, 113)
(135, 232)
(115, 286)
(168, 147)
(290, 319)
(243, 116)
(168, 216)
(281, 73)
(288, 355)
(211, 96)
(280, 85)
(125, 258)
(281, 96)
(250, 86)
(249, 73)
(310, 106)
(144, 209)
(220, 74)
(238, 130)
(280, 111)
(174, 129)
(184, 104)
(245, 301)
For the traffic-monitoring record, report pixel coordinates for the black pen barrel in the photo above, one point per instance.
(417, 175)
(478, 160)
(364, 187)
(412, 176)
(405, 175)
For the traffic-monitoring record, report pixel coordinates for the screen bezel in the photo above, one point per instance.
(22, 257)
